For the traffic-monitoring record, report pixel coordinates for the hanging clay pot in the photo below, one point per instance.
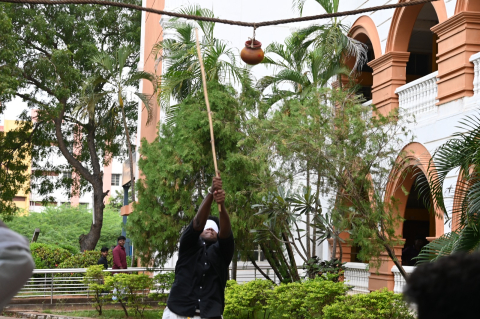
(252, 54)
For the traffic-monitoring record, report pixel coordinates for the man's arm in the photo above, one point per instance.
(225, 226)
(204, 210)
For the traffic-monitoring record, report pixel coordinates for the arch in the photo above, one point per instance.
(365, 25)
(403, 21)
(467, 5)
(412, 155)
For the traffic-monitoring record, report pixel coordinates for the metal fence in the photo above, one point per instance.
(68, 283)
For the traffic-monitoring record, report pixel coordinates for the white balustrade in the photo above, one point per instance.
(400, 282)
(420, 96)
(357, 276)
(475, 59)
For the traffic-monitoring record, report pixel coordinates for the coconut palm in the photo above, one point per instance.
(182, 76)
(337, 47)
(116, 77)
(299, 69)
(460, 153)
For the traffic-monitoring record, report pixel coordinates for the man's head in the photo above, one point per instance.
(104, 251)
(447, 288)
(211, 229)
(121, 240)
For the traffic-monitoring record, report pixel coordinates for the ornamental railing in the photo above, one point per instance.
(357, 276)
(420, 96)
(51, 284)
(475, 59)
(400, 282)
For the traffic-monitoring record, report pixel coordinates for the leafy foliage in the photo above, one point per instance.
(380, 304)
(459, 153)
(84, 259)
(161, 283)
(247, 299)
(131, 291)
(48, 256)
(260, 298)
(178, 169)
(63, 225)
(48, 67)
(328, 269)
(94, 278)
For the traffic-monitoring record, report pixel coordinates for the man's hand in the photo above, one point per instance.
(219, 196)
(216, 184)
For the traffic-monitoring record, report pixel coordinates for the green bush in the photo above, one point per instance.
(131, 291)
(380, 304)
(85, 260)
(247, 299)
(261, 299)
(161, 283)
(95, 280)
(304, 299)
(48, 256)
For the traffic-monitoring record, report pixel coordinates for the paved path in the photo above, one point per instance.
(5, 317)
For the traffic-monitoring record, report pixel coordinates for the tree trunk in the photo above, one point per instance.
(258, 268)
(307, 238)
(233, 276)
(334, 248)
(89, 241)
(129, 146)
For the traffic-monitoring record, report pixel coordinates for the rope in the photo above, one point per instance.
(223, 21)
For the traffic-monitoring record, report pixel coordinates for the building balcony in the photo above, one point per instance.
(419, 97)
(475, 59)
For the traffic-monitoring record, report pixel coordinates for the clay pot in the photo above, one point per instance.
(253, 55)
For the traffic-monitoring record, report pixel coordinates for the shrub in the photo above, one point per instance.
(130, 290)
(85, 260)
(247, 299)
(380, 304)
(328, 269)
(94, 279)
(261, 299)
(304, 299)
(161, 283)
(48, 256)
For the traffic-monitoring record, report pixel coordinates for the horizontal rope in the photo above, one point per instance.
(223, 21)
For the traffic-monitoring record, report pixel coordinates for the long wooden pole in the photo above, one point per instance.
(204, 80)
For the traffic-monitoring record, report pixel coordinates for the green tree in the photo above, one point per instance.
(48, 67)
(178, 169)
(117, 76)
(460, 153)
(331, 40)
(351, 153)
(63, 225)
(182, 77)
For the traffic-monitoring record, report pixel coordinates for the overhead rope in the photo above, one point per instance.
(223, 21)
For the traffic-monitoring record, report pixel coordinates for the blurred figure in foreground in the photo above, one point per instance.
(445, 289)
(16, 263)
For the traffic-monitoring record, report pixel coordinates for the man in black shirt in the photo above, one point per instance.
(206, 250)
(103, 258)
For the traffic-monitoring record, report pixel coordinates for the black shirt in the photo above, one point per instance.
(103, 261)
(201, 274)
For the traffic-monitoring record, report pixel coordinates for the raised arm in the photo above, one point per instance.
(204, 210)
(225, 226)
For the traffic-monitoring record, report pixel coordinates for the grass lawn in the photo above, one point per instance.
(110, 313)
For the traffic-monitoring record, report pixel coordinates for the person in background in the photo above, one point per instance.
(119, 254)
(16, 263)
(103, 258)
(447, 288)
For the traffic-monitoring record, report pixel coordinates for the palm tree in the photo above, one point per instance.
(115, 77)
(182, 75)
(337, 46)
(459, 153)
(297, 66)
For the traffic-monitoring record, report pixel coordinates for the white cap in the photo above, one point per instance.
(211, 224)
